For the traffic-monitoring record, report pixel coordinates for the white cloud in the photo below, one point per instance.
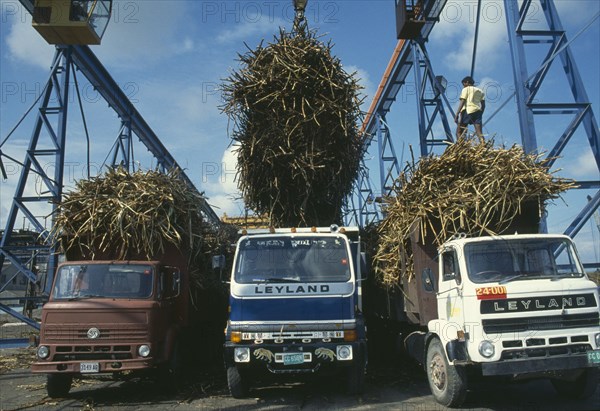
(364, 80)
(220, 179)
(26, 45)
(139, 33)
(247, 30)
(457, 30)
(143, 32)
(570, 11)
(583, 166)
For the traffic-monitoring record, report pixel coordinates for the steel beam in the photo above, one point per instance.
(527, 86)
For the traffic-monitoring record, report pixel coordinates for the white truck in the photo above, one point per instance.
(519, 306)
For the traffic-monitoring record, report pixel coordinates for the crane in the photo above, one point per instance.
(48, 141)
(415, 21)
(71, 22)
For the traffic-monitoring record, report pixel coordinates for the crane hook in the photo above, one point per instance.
(299, 7)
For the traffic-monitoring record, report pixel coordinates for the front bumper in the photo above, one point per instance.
(94, 359)
(104, 366)
(316, 356)
(536, 365)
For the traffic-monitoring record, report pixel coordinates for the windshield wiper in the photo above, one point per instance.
(509, 279)
(278, 280)
(85, 297)
(564, 275)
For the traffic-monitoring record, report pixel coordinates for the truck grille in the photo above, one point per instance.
(553, 322)
(64, 334)
(543, 352)
(87, 353)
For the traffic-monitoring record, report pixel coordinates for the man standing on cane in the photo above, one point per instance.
(470, 108)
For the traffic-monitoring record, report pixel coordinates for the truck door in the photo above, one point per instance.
(169, 313)
(449, 297)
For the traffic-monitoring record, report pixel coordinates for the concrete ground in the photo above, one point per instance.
(392, 383)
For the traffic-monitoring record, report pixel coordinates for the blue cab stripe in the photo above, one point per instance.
(291, 309)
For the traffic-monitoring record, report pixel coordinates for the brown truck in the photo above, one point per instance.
(121, 317)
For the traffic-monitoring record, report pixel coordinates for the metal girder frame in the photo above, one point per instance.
(528, 85)
(389, 167)
(98, 76)
(47, 143)
(390, 88)
(401, 65)
(87, 62)
(122, 151)
(366, 212)
(427, 83)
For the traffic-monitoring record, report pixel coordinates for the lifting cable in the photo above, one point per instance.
(475, 38)
(85, 128)
(2, 169)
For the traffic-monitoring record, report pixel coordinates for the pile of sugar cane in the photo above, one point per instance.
(295, 113)
(142, 214)
(472, 188)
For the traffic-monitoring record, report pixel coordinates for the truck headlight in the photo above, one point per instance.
(486, 348)
(144, 350)
(43, 352)
(344, 352)
(597, 337)
(241, 354)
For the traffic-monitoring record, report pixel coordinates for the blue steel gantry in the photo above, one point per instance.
(47, 143)
(48, 138)
(416, 19)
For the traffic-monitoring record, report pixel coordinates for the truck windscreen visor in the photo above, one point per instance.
(81, 281)
(292, 259)
(521, 260)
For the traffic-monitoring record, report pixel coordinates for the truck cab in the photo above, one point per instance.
(515, 305)
(295, 306)
(110, 317)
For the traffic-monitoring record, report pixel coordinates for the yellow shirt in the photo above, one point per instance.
(473, 97)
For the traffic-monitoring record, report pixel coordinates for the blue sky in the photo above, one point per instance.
(171, 56)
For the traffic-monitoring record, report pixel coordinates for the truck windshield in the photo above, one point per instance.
(292, 259)
(504, 261)
(79, 281)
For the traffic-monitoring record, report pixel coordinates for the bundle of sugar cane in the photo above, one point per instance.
(139, 215)
(296, 114)
(472, 188)
(140, 212)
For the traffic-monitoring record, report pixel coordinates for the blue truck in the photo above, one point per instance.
(295, 306)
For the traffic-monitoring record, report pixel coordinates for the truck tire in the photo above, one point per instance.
(171, 373)
(237, 383)
(356, 377)
(582, 387)
(448, 383)
(58, 385)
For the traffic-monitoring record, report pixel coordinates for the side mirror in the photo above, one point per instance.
(428, 280)
(218, 262)
(176, 283)
(364, 267)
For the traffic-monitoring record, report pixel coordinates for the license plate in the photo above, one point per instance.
(594, 357)
(292, 359)
(89, 367)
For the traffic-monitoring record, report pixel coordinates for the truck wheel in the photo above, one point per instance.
(582, 387)
(356, 377)
(172, 373)
(238, 385)
(448, 383)
(58, 385)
